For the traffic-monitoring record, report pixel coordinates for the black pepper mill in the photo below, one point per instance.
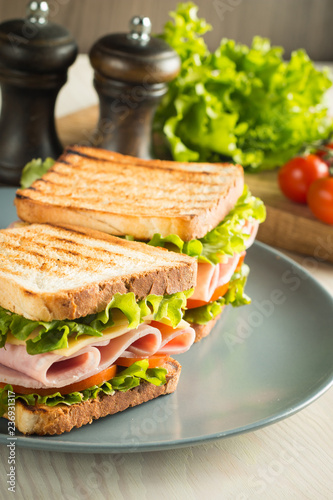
(131, 75)
(34, 57)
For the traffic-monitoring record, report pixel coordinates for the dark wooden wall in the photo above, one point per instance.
(291, 23)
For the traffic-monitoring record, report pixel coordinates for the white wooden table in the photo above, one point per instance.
(292, 459)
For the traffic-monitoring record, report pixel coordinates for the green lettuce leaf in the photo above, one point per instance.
(240, 103)
(54, 335)
(235, 296)
(127, 379)
(226, 239)
(34, 170)
(132, 376)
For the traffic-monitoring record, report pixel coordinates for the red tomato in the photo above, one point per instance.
(154, 361)
(240, 262)
(297, 175)
(322, 152)
(219, 292)
(97, 379)
(320, 199)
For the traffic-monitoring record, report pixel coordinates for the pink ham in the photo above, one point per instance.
(211, 277)
(176, 339)
(53, 370)
(251, 228)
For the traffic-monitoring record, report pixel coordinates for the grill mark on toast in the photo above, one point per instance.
(96, 254)
(8, 270)
(79, 153)
(54, 266)
(137, 162)
(113, 201)
(54, 171)
(22, 197)
(122, 197)
(121, 182)
(44, 181)
(101, 177)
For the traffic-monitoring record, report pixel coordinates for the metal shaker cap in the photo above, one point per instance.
(34, 44)
(136, 56)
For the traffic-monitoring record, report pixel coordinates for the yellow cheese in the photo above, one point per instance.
(82, 341)
(14, 341)
(85, 340)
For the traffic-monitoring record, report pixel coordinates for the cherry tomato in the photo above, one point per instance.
(297, 175)
(322, 152)
(320, 199)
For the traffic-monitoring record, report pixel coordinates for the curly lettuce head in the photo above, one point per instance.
(241, 103)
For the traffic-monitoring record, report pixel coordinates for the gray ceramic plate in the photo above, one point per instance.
(261, 363)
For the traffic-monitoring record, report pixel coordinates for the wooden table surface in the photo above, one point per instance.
(292, 459)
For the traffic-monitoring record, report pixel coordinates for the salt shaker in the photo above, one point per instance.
(34, 58)
(131, 75)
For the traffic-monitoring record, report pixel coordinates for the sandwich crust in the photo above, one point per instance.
(50, 272)
(46, 420)
(122, 195)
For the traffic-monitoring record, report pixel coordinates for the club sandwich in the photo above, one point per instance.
(88, 323)
(199, 209)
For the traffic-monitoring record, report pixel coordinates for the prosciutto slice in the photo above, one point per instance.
(211, 277)
(17, 367)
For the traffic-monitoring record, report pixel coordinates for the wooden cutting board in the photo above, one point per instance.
(288, 225)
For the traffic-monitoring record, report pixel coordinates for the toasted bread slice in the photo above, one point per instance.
(46, 420)
(122, 195)
(50, 272)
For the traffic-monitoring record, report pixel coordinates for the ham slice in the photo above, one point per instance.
(251, 228)
(173, 341)
(211, 277)
(17, 367)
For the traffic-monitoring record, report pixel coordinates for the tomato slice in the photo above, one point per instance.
(220, 291)
(97, 379)
(192, 304)
(154, 361)
(240, 262)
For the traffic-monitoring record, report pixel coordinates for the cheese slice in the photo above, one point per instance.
(74, 345)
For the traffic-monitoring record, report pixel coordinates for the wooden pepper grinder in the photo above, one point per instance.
(34, 58)
(131, 75)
